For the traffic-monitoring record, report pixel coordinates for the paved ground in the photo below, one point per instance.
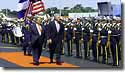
(12, 56)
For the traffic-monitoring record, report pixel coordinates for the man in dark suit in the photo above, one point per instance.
(55, 39)
(37, 36)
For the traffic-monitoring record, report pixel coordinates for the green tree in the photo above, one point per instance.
(66, 8)
(77, 9)
(48, 11)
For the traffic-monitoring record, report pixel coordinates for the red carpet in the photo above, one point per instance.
(26, 61)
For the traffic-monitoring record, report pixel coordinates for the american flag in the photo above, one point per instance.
(35, 7)
(38, 6)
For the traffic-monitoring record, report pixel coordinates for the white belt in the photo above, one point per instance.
(103, 36)
(116, 35)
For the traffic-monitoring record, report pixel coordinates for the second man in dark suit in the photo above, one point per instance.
(55, 39)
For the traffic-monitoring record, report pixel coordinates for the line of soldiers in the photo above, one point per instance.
(6, 31)
(99, 37)
(91, 36)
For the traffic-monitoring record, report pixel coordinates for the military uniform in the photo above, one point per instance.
(95, 49)
(77, 35)
(9, 32)
(26, 40)
(3, 33)
(104, 39)
(69, 37)
(86, 34)
(114, 46)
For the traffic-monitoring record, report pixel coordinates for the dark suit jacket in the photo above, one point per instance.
(56, 37)
(36, 39)
(53, 34)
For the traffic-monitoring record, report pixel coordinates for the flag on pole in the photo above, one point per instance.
(21, 8)
(32, 7)
(38, 6)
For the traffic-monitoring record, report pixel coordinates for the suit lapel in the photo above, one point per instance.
(35, 28)
(60, 27)
(54, 26)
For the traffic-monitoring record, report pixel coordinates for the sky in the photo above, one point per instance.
(12, 4)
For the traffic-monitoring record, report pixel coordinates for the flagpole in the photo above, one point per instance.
(6, 12)
(60, 11)
(27, 10)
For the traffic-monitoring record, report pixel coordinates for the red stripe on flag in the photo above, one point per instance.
(35, 8)
(38, 8)
(38, 12)
(41, 3)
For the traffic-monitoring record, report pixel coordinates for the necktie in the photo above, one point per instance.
(39, 29)
(57, 26)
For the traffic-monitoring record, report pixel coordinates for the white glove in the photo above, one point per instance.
(49, 41)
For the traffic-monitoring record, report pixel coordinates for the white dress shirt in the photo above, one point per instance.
(57, 26)
(39, 28)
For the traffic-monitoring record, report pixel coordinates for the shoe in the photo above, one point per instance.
(59, 63)
(25, 54)
(95, 60)
(78, 56)
(62, 53)
(115, 64)
(69, 55)
(29, 54)
(36, 63)
(86, 58)
(103, 62)
(51, 62)
(62, 62)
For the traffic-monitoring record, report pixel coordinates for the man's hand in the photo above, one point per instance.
(62, 41)
(49, 41)
(29, 42)
(81, 39)
(73, 37)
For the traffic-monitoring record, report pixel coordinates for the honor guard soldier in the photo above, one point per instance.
(26, 40)
(119, 29)
(18, 32)
(69, 37)
(90, 38)
(86, 34)
(9, 32)
(77, 36)
(4, 32)
(27, 36)
(104, 38)
(14, 41)
(95, 42)
(115, 38)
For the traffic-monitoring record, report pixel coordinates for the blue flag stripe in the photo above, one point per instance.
(21, 1)
(21, 14)
(22, 7)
